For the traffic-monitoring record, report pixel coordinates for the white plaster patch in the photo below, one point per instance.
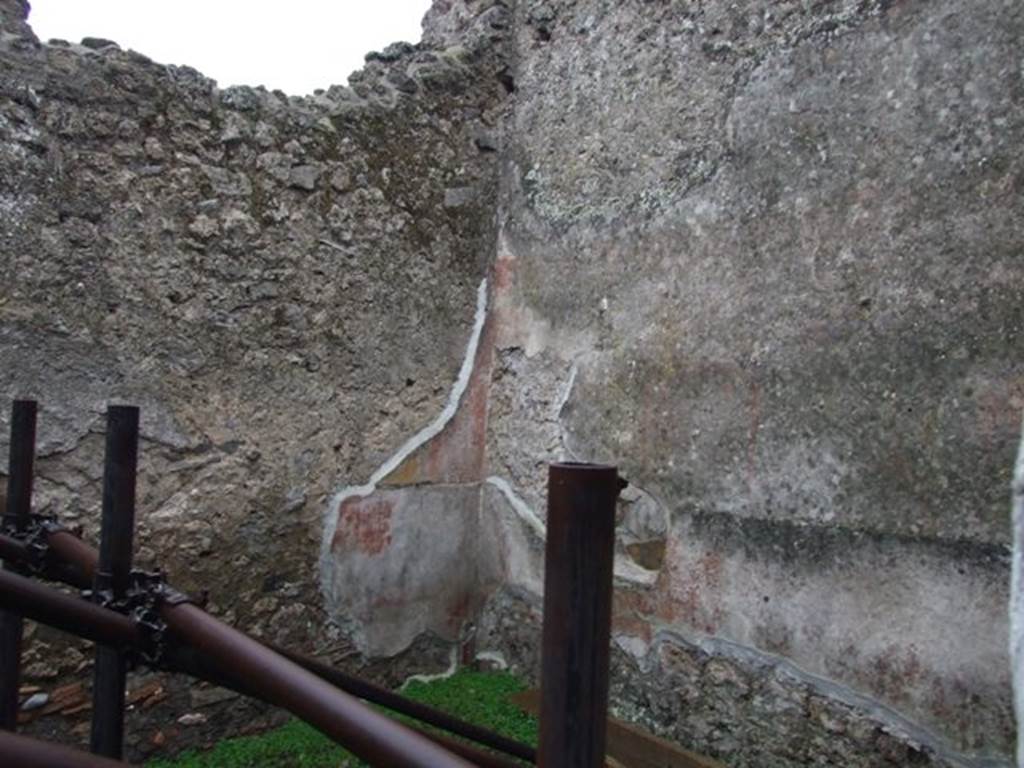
(636, 647)
(629, 572)
(497, 658)
(453, 665)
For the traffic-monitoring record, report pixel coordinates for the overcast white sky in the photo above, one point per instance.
(295, 45)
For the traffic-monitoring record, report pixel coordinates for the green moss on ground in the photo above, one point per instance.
(479, 697)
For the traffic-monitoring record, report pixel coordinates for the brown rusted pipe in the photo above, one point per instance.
(73, 559)
(376, 694)
(13, 550)
(472, 753)
(70, 614)
(21, 460)
(578, 563)
(58, 568)
(113, 573)
(16, 512)
(23, 752)
(86, 619)
(185, 660)
(368, 734)
(92, 622)
(69, 548)
(96, 623)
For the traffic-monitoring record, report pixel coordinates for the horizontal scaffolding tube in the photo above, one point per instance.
(93, 622)
(24, 752)
(474, 754)
(369, 734)
(70, 549)
(65, 612)
(13, 549)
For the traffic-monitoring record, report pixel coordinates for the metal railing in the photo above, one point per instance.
(135, 615)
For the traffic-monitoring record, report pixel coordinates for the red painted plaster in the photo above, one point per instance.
(364, 525)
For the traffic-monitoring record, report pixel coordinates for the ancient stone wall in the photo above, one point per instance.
(762, 255)
(285, 285)
(766, 256)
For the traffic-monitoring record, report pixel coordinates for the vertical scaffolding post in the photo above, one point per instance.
(112, 573)
(578, 564)
(15, 518)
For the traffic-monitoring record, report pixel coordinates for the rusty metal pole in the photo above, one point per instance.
(66, 612)
(578, 563)
(112, 574)
(14, 550)
(20, 460)
(78, 558)
(15, 518)
(476, 756)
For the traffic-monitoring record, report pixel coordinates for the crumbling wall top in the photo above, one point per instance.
(13, 20)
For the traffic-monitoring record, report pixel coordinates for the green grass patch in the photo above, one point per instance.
(479, 697)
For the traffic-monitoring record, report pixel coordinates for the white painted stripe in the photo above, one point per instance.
(566, 391)
(497, 658)
(520, 507)
(453, 665)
